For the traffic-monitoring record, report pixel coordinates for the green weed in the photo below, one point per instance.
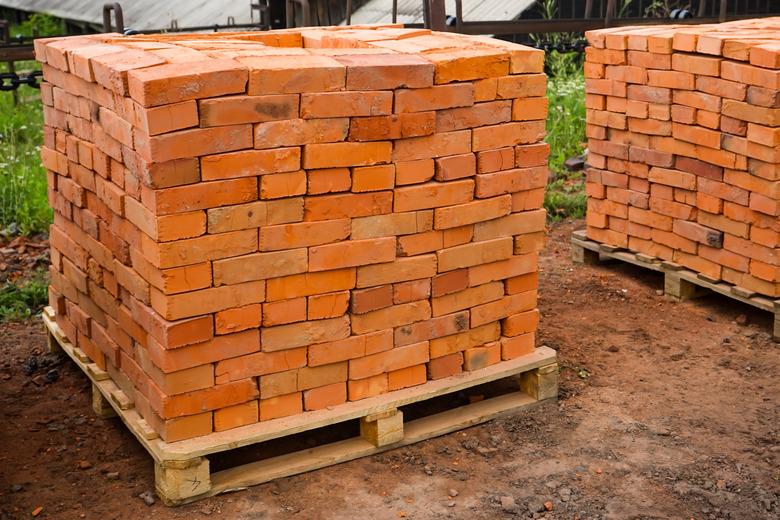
(565, 195)
(23, 203)
(25, 298)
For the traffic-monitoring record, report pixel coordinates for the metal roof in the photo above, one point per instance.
(143, 14)
(411, 11)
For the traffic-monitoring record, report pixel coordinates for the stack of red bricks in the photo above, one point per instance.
(250, 226)
(684, 147)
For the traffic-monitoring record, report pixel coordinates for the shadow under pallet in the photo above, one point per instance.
(182, 469)
(679, 283)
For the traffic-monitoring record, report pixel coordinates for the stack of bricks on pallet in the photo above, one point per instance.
(684, 147)
(249, 226)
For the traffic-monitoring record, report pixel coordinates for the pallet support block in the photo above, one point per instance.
(179, 481)
(678, 289)
(100, 404)
(541, 383)
(776, 329)
(384, 428)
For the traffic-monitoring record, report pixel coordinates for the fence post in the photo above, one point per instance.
(722, 14)
(5, 37)
(610, 14)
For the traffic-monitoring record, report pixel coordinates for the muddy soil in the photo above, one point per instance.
(666, 410)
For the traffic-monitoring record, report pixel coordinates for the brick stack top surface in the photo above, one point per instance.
(252, 225)
(684, 141)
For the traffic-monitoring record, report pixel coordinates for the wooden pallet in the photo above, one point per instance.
(182, 471)
(679, 283)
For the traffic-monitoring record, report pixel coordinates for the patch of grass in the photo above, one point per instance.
(25, 298)
(23, 201)
(565, 195)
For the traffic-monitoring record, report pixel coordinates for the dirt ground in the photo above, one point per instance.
(666, 410)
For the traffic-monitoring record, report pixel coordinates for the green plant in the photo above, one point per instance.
(24, 298)
(40, 24)
(565, 195)
(664, 8)
(23, 202)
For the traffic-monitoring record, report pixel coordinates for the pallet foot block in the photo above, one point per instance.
(254, 229)
(684, 148)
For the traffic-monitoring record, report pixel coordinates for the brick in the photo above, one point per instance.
(517, 346)
(191, 403)
(368, 387)
(467, 298)
(313, 377)
(260, 266)
(445, 366)
(304, 234)
(432, 146)
(284, 311)
(259, 364)
(331, 305)
(366, 300)
(235, 416)
(474, 254)
(250, 163)
(111, 70)
(330, 155)
(307, 284)
(481, 357)
(388, 361)
(303, 334)
(205, 301)
(405, 292)
(194, 142)
(293, 74)
(297, 132)
(330, 207)
(238, 319)
(351, 253)
(281, 406)
(325, 396)
(521, 323)
(395, 316)
(480, 114)
(433, 195)
(345, 104)
(386, 71)
(472, 212)
(328, 180)
(399, 270)
(356, 346)
(395, 126)
(373, 178)
(508, 134)
(233, 110)
(434, 98)
(455, 167)
(385, 225)
(406, 377)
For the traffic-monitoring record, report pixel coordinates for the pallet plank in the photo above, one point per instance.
(679, 283)
(335, 453)
(182, 472)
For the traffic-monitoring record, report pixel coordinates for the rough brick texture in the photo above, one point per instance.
(251, 226)
(684, 147)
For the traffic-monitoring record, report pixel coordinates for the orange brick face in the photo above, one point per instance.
(684, 163)
(263, 231)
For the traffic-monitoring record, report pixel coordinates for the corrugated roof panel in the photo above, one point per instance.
(143, 14)
(411, 11)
